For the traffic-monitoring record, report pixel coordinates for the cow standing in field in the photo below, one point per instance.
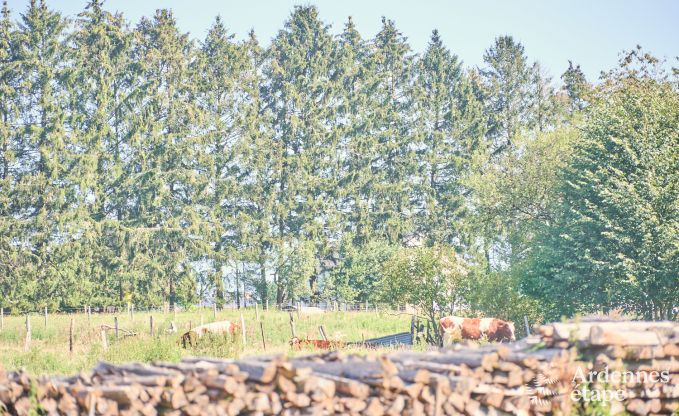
(194, 334)
(475, 328)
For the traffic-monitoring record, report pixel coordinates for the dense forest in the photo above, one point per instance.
(140, 165)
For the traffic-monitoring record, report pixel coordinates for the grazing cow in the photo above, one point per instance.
(475, 328)
(322, 344)
(194, 334)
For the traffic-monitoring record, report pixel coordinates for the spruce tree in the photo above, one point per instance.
(162, 179)
(576, 86)
(11, 256)
(299, 94)
(389, 121)
(222, 69)
(508, 82)
(97, 83)
(449, 132)
(45, 191)
(357, 146)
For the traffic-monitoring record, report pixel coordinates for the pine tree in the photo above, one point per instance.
(258, 155)
(11, 256)
(162, 176)
(389, 121)
(449, 131)
(545, 110)
(222, 68)
(299, 95)
(97, 83)
(507, 81)
(576, 86)
(45, 192)
(357, 146)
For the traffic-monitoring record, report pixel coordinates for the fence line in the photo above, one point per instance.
(130, 309)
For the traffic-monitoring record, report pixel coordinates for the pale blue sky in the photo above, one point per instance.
(589, 32)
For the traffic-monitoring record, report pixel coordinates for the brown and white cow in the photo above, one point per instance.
(220, 327)
(476, 328)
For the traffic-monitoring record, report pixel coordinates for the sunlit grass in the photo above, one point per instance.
(49, 353)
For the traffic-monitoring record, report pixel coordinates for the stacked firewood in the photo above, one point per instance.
(532, 376)
(638, 361)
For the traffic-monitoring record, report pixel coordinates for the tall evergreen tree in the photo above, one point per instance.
(357, 146)
(449, 130)
(45, 190)
(219, 76)
(98, 86)
(390, 122)
(11, 256)
(576, 86)
(507, 80)
(162, 174)
(258, 154)
(299, 95)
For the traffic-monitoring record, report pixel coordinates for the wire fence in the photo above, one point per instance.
(327, 306)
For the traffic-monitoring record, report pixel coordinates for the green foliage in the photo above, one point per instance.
(507, 91)
(361, 269)
(516, 195)
(613, 242)
(430, 278)
(576, 86)
(449, 132)
(138, 165)
(499, 295)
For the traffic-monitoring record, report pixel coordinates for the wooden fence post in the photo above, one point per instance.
(89, 314)
(45, 316)
(321, 329)
(151, 325)
(292, 326)
(115, 325)
(104, 341)
(242, 325)
(299, 306)
(267, 304)
(257, 311)
(525, 321)
(27, 341)
(261, 329)
(413, 330)
(70, 336)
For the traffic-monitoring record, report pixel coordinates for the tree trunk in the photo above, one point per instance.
(237, 287)
(264, 292)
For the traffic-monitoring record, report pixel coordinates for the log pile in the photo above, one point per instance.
(532, 376)
(637, 360)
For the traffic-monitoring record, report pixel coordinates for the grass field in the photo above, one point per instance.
(49, 351)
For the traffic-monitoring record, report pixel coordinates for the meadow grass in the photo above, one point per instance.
(49, 352)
